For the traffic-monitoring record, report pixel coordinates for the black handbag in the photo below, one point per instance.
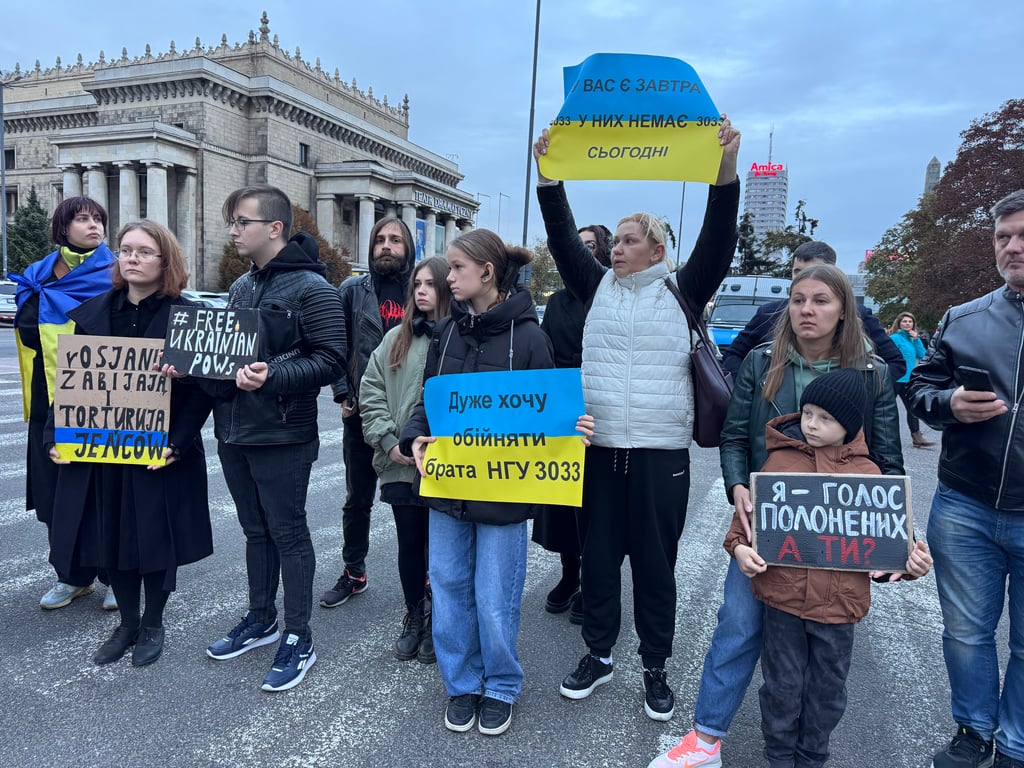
(712, 387)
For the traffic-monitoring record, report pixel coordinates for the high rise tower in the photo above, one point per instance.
(766, 194)
(931, 175)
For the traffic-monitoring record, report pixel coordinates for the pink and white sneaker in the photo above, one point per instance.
(690, 753)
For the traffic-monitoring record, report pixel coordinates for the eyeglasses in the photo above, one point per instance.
(243, 223)
(142, 254)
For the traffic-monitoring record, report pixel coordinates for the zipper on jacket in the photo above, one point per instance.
(1014, 412)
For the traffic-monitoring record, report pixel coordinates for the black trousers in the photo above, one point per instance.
(412, 526)
(912, 420)
(360, 489)
(635, 502)
(269, 484)
(805, 665)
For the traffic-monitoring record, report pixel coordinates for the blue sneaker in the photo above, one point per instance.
(293, 660)
(62, 594)
(248, 634)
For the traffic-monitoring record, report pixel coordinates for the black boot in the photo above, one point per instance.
(408, 643)
(560, 598)
(148, 646)
(425, 654)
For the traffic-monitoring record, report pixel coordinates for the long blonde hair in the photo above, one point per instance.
(848, 342)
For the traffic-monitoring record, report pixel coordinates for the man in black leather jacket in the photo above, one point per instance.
(371, 305)
(266, 425)
(762, 324)
(976, 524)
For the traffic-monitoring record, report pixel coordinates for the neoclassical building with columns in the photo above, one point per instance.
(168, 136)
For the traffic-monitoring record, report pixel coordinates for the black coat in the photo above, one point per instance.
(467, 343)
(127, 517)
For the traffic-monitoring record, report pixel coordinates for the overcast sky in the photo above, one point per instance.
(861, 94)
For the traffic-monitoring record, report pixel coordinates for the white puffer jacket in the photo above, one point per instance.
(636, 363)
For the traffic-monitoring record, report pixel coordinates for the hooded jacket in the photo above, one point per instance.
(822, 595)
(300, 341)
(982, 460)
(506, 337)
(362, 327)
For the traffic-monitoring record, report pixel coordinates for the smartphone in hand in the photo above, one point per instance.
(974, 379)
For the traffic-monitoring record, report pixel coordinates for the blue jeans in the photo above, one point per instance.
(976, 547)
(732, 657)
(477, 573)
(268, 484)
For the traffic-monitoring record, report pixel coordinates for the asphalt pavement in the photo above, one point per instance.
(359, 706)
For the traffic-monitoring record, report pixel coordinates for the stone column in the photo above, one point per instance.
(326, 208)
(365, 225)
(390, 210)
(96, 183)
(156, 191)
(128, 194)
(409, 217)
(466, 226)
(186, 209)
(72, 181)
(449, 231)
(429, 244)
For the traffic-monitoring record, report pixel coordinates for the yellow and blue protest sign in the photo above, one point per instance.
(505, 436)
(628, 116)
(110, 406)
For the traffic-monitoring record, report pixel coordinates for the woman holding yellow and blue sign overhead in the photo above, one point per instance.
(478, 548)
(79, 269)
(637, 388)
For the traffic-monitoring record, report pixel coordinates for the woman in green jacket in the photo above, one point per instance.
(390, 388)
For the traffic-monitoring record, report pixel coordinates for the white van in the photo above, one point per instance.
(737, 301)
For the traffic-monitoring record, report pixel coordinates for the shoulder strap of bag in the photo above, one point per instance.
(696, 326)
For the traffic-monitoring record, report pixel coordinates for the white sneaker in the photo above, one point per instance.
(690, 753)
(109, 601)
(62, 594)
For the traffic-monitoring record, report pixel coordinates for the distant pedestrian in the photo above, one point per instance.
(392, 385)
(976, 524)
(905, 336)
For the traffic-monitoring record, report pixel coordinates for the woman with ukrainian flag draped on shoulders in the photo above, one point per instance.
(79, 269)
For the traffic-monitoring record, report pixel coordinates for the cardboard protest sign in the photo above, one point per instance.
(627, 116)
(505, 436)
(845, 522)
(212, 343)
(109, 405)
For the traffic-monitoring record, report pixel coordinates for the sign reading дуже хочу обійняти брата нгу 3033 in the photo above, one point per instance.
(628, 116)
(847, 522)
(110, 406)
(505, 436)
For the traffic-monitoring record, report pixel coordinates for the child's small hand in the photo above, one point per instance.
(749, 561)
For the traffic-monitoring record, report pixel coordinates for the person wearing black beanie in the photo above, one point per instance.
(840, 393)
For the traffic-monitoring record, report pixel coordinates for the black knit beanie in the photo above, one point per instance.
(842, 394)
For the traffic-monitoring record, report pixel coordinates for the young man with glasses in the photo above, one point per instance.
(266, 424)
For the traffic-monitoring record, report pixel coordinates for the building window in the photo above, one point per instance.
(12, 203)
(346, 217)
(304, 155)
(9, 159)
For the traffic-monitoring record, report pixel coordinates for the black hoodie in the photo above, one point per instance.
(506, 337)
(299, 340)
